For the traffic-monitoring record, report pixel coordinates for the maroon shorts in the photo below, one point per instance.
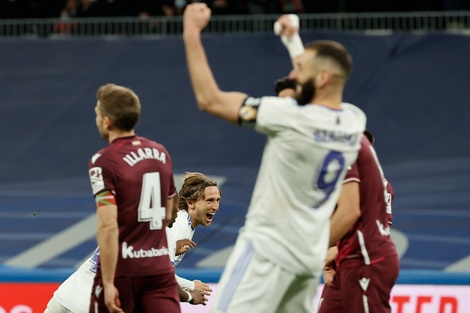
(141, 294)
(361, 289)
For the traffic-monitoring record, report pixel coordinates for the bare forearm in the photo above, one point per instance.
(209, 97)
(202, 79)
(108, 242)
(347, 212)
(340, 225)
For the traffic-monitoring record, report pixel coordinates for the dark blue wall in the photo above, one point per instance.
(415, 90)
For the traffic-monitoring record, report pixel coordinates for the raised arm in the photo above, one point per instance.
(209, 97)
(287, 26)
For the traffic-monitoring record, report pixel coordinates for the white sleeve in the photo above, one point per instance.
(184, 283)
(171, 245)
(275, 115)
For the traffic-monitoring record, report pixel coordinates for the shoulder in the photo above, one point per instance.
(153, 144)
(366, 155)
(277, 102)
(183, 216)
(99, 157)
(275, 110)
(354, 110)
(182, 219)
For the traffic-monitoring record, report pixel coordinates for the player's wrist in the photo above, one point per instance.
(191, 34)
(294, 45)
(190, 297)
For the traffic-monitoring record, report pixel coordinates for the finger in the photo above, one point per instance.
(200, 6)
(191, 243)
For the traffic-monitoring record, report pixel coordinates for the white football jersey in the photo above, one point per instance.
(181, 229)
(308, 151)
(75, 292)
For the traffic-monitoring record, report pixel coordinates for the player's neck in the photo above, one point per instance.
(114, 134)
(193, 220)
(333, 102)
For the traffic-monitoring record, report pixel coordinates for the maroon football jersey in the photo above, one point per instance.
(369, 240)
(139, 172)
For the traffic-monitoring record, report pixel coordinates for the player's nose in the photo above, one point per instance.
(293, 74)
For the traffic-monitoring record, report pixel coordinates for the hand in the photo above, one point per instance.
(287, 25)
(202, 287)
(183, 245)
(328, 274)
(111, 299)
(196, 17)
(198, 297)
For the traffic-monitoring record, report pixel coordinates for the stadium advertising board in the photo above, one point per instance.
(33, 298)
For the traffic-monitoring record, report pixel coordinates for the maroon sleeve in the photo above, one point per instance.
(352, 174)
(101, 177)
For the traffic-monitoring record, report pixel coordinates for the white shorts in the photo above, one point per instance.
(251, 283)
(55, 307)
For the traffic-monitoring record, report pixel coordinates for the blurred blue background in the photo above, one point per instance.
(414, 89)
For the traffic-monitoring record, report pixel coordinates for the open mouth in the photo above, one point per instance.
(210, 216)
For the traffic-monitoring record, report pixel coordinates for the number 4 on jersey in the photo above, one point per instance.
(150, 205)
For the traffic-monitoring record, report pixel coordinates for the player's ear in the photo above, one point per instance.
(107, 122)
(324, 78)
(189, 203)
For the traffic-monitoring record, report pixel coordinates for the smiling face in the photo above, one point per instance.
(202, 210)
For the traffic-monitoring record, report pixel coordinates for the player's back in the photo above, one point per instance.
(304, 161)
(140, 173)
(370, 240)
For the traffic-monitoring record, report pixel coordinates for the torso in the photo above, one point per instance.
(140, 174)
(369, 241)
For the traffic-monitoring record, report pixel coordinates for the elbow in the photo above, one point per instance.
(357, 213)
(203, 104)
(207, 101)
(354, 216)
(108, 227)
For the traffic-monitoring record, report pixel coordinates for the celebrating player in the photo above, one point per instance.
(311, 141)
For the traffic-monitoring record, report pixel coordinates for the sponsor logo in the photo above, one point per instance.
(129, 252)
(364, 282)
(96, 179)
